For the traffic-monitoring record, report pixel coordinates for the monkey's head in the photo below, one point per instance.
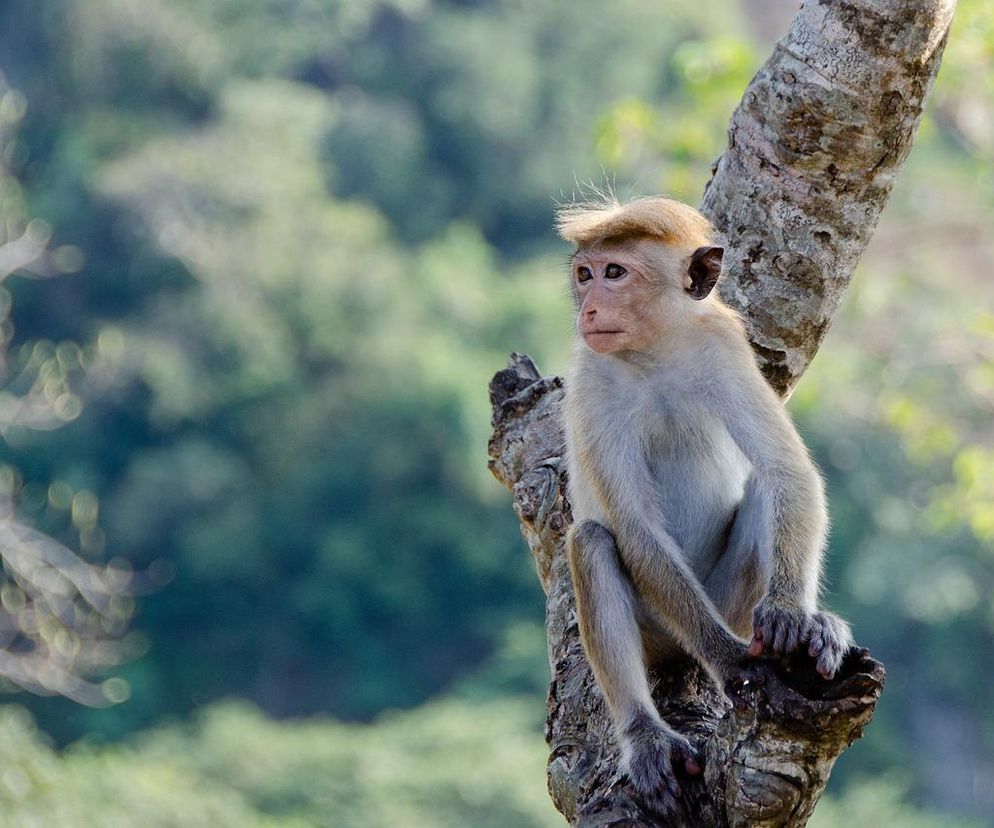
(640, 269)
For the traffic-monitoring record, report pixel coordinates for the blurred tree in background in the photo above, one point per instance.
(312, 230)
(62, 617)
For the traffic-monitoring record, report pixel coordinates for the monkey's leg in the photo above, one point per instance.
(606, 611)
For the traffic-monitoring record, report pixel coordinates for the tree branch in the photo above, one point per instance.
(813, 151)
(814, 148)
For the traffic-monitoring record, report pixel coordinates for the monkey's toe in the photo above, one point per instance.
(684, 755)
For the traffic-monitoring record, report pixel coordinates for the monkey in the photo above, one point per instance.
(699, 516)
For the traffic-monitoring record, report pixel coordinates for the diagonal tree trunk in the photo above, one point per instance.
(813, 151)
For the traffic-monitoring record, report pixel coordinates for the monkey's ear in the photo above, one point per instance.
(705, 267)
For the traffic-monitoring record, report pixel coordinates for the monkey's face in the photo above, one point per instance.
(624, 295)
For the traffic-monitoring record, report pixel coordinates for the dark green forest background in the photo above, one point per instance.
(298, 238)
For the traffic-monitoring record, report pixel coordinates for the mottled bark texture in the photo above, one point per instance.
(813, 151)
(812, 154)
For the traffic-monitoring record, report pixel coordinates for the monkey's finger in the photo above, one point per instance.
(830, 640)
(828, 663)
(780, 633)
(687, 756)
(817, 643)
(758, 628)
(756, 647)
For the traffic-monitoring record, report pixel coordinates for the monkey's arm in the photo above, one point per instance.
(790, 493)
(787, 484)
(675, 597)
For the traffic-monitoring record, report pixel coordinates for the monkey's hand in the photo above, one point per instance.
(654, 754)
(782, 628)
(829, 642)
(779, 627)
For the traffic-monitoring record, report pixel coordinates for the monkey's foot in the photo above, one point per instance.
(829, 642)
(652, 754)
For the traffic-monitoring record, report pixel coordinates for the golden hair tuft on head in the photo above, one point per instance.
(585, 223)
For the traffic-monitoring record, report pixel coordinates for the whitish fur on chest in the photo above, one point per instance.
(656, 446)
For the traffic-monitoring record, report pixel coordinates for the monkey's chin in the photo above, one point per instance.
(604, 342)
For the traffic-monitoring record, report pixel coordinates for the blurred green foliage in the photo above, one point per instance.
(447, 765)
(307, 233)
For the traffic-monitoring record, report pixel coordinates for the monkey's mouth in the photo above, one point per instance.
(599, 333)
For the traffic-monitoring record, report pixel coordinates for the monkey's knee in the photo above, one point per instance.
(591, 532)
(592, 557)
(587, 540)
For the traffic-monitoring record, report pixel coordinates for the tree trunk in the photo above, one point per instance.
(812, 154)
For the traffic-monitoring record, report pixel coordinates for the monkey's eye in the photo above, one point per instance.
(614, 271)
(583, 274)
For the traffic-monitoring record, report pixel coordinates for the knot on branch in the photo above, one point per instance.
(521, 373)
